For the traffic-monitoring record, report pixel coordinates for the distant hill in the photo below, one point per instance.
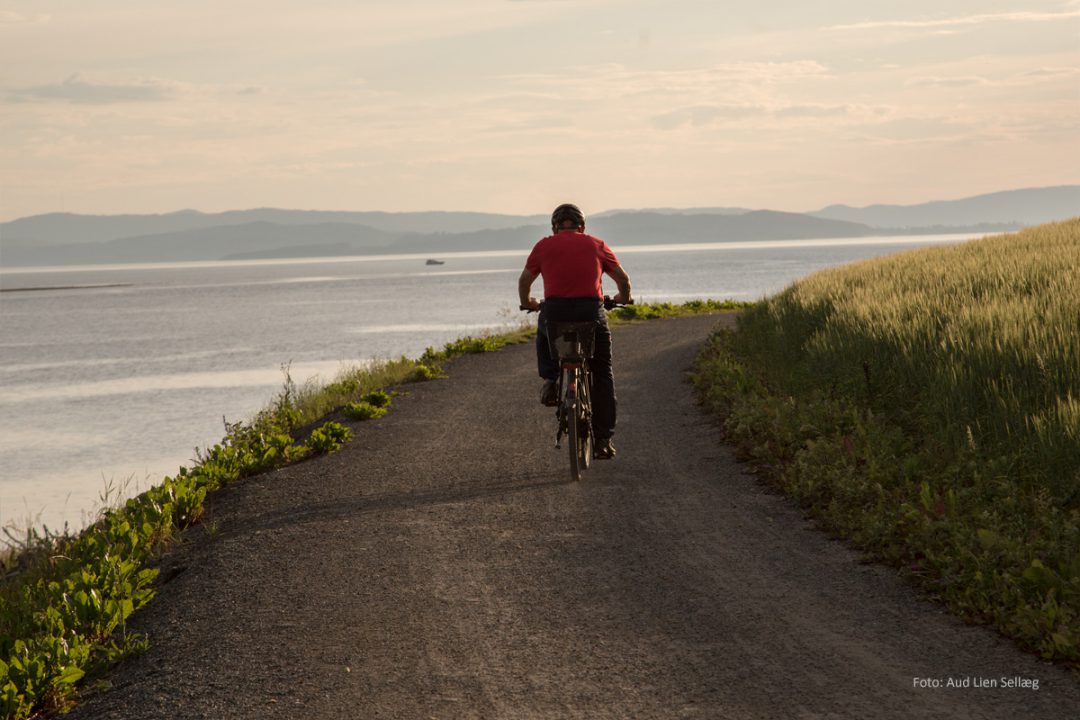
(71, 229)
(264, 239)
(648, 228)
(213, 243)
(1012, 207)
(643, 227)
(64, 239)
(678, 211)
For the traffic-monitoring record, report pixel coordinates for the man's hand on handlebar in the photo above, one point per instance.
(533, 305)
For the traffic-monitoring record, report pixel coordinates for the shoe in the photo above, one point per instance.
(549, 394)
(604, 450)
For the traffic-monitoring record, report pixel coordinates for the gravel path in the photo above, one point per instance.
(442, 565)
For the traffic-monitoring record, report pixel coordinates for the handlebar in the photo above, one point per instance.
(609, 304)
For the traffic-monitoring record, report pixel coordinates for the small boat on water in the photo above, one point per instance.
(435, 262)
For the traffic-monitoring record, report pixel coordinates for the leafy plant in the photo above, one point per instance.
(363, 410)
(377, 399)
(423, 373)
(329, 437)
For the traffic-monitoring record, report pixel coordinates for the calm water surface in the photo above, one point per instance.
(115, 386)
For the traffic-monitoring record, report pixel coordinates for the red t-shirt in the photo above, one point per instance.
(571, 264)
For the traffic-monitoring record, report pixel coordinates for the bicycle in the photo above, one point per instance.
(572, 343)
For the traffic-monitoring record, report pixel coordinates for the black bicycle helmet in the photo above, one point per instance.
(566, 212)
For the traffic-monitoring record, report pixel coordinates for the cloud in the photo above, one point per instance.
(10, 17)
(812, 111)
(920, 130)
(77, 90)
(703, 115)
(700, 115)
(530, 125)
(613, 80)
(934, 23)
(957, 81)
(1024, 79)
(1051, 73)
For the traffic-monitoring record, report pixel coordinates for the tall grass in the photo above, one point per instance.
(983, 339)
(927, 405)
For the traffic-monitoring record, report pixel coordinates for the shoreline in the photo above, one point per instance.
(66, 287)
(449, 255)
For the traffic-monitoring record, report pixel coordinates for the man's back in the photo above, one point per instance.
(571, 263)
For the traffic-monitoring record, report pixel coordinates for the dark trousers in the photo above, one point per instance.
(602, 387)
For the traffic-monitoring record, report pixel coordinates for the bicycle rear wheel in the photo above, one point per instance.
(584, 421)
(573, 432)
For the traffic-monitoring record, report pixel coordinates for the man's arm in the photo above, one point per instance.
(622, 280)
(524, 287)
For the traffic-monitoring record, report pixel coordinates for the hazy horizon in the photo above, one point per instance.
(511, 106)
(540, 212)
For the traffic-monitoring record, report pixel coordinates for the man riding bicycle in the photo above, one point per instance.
(572, 265)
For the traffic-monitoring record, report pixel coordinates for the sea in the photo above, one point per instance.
(111, 376)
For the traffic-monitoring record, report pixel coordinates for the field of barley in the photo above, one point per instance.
(927, 406)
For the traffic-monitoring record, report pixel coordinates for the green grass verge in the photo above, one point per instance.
(927, 407)
(65, 600)
(652, 311)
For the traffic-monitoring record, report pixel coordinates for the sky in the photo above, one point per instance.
(514, 106)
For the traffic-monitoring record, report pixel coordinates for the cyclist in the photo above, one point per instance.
(572, 264)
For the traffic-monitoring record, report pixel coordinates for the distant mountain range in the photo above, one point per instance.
(1013, 207)
(64, 239)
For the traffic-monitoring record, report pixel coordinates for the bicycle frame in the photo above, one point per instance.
(572, 342)
(572, 377)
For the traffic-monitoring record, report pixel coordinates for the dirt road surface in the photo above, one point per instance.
(443, 565)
